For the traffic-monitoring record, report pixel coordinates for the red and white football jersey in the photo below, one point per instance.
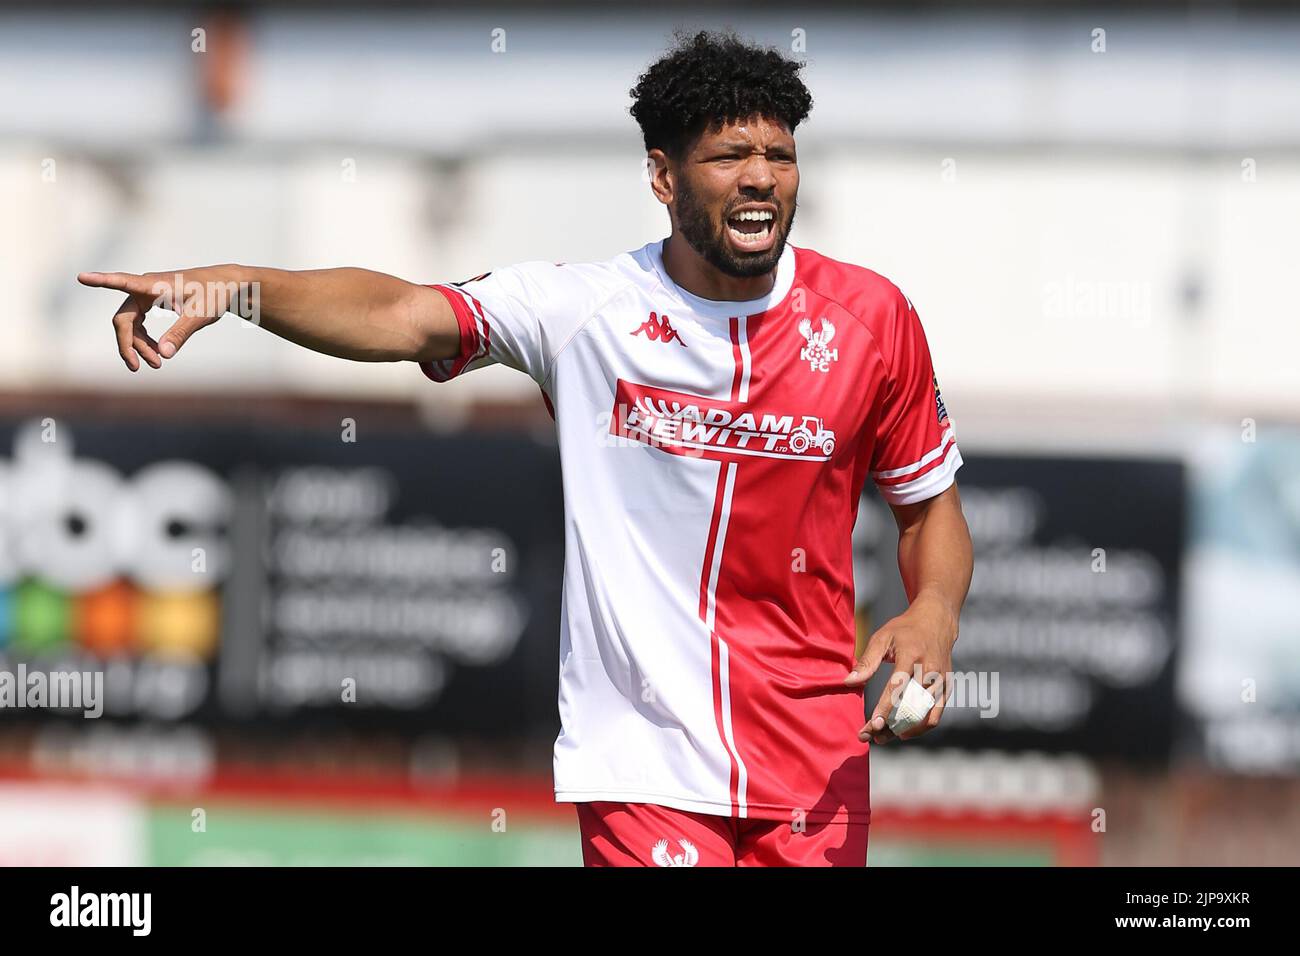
(713, 456)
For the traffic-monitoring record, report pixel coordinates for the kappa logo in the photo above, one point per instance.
(688, 857)
(657, 328)
(817, 352)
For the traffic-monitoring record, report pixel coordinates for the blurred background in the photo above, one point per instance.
(323, 596)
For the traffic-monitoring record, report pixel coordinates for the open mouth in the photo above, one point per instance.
(752, 229)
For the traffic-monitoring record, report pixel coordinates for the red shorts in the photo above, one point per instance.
(644, 834)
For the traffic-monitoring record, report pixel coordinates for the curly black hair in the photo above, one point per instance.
(710, 79)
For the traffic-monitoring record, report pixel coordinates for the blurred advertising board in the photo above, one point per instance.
(242, 573)
(1240, 678)
(263, 576)
(1069, 635)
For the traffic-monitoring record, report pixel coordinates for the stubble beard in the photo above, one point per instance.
(707, 238)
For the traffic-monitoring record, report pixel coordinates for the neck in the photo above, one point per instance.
(696, 275)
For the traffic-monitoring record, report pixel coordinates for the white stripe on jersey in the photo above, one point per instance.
(484, 344)
(925, 459)
(724, 674)
(928, 485)
(742, 336)
(724, 516)
(724, 680)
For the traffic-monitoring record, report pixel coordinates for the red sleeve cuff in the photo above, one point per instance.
(473, 345)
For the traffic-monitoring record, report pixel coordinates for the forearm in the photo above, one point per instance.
(935, 557)
(347, 312)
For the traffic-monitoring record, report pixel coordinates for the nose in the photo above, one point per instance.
(756, 174)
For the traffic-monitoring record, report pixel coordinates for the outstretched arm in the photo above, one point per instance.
(350, 313)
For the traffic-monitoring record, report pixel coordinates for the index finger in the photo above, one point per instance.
(122, 281)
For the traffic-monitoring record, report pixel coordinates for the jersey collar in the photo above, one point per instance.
(715, 309)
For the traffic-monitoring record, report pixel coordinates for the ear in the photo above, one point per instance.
(661, 176)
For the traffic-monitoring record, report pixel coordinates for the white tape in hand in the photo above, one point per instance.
(913, 705)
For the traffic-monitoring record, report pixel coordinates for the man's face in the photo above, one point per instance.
(733, 195)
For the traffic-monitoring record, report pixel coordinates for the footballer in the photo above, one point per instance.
(720, 399)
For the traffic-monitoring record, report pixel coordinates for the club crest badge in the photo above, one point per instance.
(662, 857)
(817, 352)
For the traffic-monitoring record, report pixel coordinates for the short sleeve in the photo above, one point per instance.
(519, 316)
(915, 455)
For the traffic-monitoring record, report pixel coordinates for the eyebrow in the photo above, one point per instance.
(740, 146)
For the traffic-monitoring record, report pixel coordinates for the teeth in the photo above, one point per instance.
(753, 215)
(748, 236)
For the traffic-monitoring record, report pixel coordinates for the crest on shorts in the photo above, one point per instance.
(688, 857)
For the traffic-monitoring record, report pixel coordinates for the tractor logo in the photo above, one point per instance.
(817, 353)
(812, 434)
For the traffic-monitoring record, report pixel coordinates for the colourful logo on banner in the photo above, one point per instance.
(110, 564)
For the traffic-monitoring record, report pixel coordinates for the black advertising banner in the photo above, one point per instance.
(260, 576)
(224, 574)
(1068, 637)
